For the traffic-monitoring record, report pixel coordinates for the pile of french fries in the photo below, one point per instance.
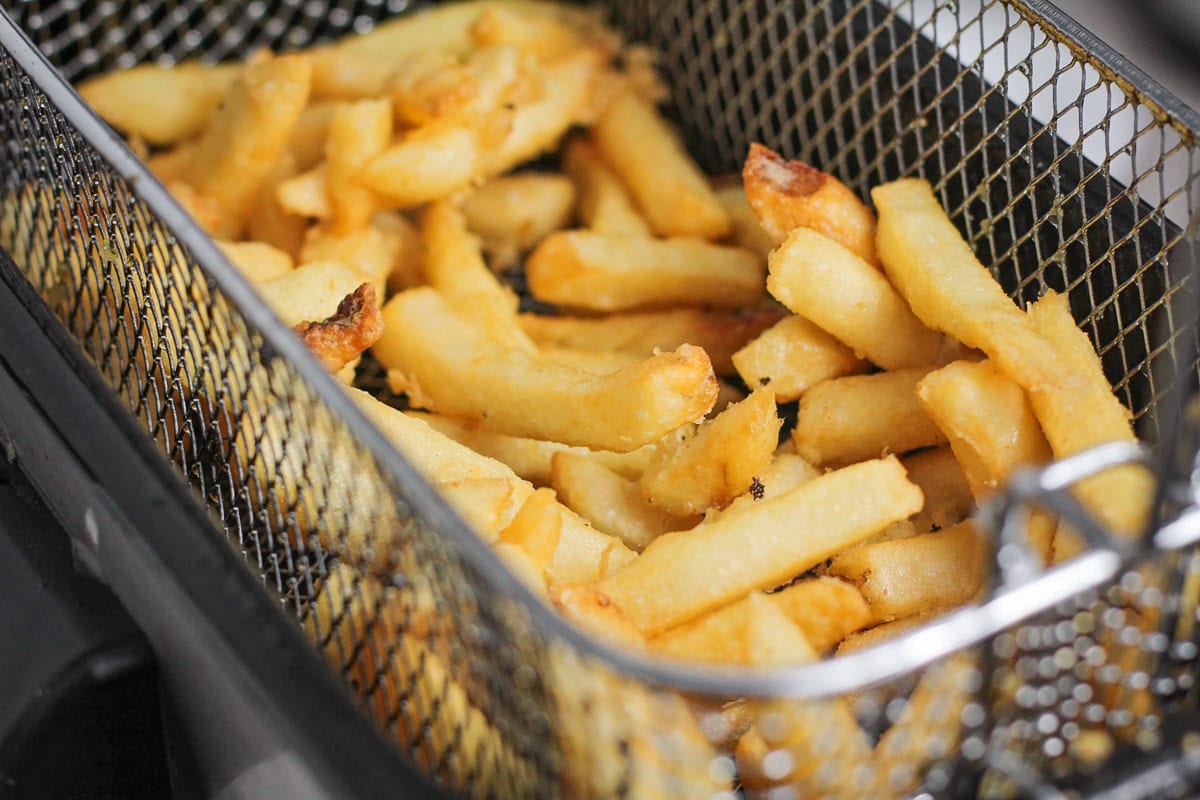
(620, 449)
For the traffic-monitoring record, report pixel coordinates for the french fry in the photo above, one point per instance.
(536, 528)
(256, 260)
(843, 420)
(548, 36)
(512, 213)
(305, 194)
(247, 135)
(824, 282)
(948, 498)
(793, 355)
(826, 609)
(404, 242)
(366, 250)
(748, 232)
(667, 185)
(453, 368)
(604, 206)
(719, 462)
(170, 165)
(881, 633)
(601, 362)
(307, 145)
(642, 333)
(426, 163)
(163, 105)
(681, 575)
(785, 472)
(924, 573)
(269, 221)
(600, 272)
(591, 610)
(357, 134)
(787, 195)
(310, 292)
(752, 631)
(521, 565)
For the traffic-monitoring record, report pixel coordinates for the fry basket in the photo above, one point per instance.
(220, 481)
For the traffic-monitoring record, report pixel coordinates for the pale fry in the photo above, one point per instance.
(881, 633)
(717, 464)
(453, 368)
(600, 272)
(682, 575)
(793, 355)
(256, 260)
(850, 419)
(787, 195)
(826, 609)
(667, 185)
(404, 242)
(611, 503)
(948, 498)
(247, 135)
(920, 574)
(357, 134)
(513, 213)
(163, 105)
(720, 333)
(604, 206)
(824, 282)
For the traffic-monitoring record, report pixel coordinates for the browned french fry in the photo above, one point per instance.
(920, 574)
(681, 575)
(604, 206)
(357, 134)
(536, 528)
(591, 610)
(596, 271)
(512, 213)
(612, 503)
(248, 135)
(256, 260)
(793, 355)
(163, 105)
(948, 498)
(787, 195)
(453, 368)
(666, 184)
(826, 609)
(843, 420)
(717, 464)
(720, 333)
(824, 282)
(752, 631)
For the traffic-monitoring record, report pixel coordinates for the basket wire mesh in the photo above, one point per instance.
(1061, 679)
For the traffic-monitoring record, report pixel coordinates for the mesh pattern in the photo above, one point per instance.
(458, 670)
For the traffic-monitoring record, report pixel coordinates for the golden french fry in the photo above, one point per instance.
(612, 503)
(824, 282)
(919, 574)
(785, 472)
(170, 166)
(429, 85)
(310, 292)
(163, 105)
(720, 333)
(752, 631)
(881, 633)
(258, 261)
(681, 575)
(366, 250)
(667, 185)
(487, 505)
(600, 362)
(591, 610)
(425, 164)
(826, 609)
(787, 195)
(604, 206)
(404, 242)
(357, 134)
(748, 232)
(512, 213)
(269, 221)
(793, 355)
(205, 210)
(556, 33)
(717, 464)
(520, 564)
(452, 368)
(1086, 414)
(596, 271)
(948, 498)
(307, 145)
(536, 528)
(305, 194)
(843, 420)
(247, 135)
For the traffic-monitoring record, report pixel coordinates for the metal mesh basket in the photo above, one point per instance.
(1065, 678)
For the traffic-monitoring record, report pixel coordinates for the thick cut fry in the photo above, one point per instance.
(1087, 415)
(920, 574)
(717, 464)
(306, 194)
(358, 133)
(309, 292)
(785, 472)
(844, 420)
(452, 368)
(720, 333)
(595, 271)
(748, 232)
(591, 610)
(881, 633)
(256, 260)
(793, 355)
(948, 498)
(604, 206)
(667, 185)
(824, 282)
(163, 105)
(269, 221)
(366, 250)
(826, 609)
(536, 528)
(931, 265)
(404, 242)
(752, 631)
(248, 135)
(307, 145)
(681, 575)
(425, 164)
(512, 213)
(531, 458)
(790, 194)
(612, 503)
